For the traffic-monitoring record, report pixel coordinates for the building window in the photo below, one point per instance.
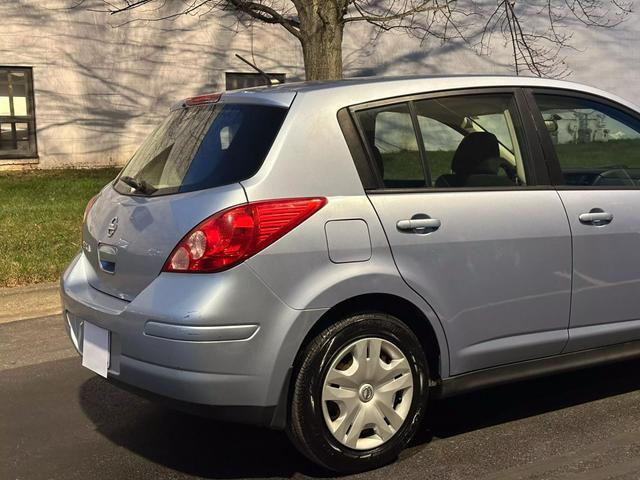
(17, 114)
(235, 80)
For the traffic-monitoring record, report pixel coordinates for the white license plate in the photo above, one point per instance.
(95, 349)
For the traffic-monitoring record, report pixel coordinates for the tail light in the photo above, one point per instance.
(233, 235)
(87, 209)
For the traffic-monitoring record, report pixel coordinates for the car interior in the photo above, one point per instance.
(468, 142)
(596, 145)
(476, 163)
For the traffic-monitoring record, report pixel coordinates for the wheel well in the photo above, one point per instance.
(399, 307)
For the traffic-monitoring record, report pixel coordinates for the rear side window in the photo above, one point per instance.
(472, 141)
(596, 145)
(202, 147)
(441, 142)
(394, 146)
(462, 141)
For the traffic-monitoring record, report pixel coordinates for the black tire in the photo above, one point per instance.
(306, 426)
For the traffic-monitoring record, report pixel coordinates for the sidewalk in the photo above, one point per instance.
(33, 301)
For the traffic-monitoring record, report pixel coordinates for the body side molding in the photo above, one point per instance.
(537, 368)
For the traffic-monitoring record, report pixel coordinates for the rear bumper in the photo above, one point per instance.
(220, 340)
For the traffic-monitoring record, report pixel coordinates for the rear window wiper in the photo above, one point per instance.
(138, 185)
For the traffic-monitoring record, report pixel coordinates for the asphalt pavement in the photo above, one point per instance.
(60, 421)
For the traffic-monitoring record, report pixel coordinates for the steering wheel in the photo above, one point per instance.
(615, 176)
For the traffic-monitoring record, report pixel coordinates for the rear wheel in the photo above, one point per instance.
(359, 393)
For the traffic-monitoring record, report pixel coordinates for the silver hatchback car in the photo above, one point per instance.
(327, 257)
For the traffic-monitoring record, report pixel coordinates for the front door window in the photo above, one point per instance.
(596, 145)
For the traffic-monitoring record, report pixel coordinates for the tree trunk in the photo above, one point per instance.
(321, 31)
(323, 55)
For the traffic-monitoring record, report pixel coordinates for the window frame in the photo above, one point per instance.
(29, 119)
(549, 151)
(531, 151)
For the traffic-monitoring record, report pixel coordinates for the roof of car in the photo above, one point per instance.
(352, 91)
(393, 81)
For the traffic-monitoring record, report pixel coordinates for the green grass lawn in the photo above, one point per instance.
(598, 154)
(41, 221)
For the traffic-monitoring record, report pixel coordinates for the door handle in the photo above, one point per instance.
(596, 217)
(419, 225)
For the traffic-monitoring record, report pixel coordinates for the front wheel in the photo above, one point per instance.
(359, 394)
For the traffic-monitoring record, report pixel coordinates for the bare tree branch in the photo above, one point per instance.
(364, 15)
(128, 6)
(536, 32)
(267, 14)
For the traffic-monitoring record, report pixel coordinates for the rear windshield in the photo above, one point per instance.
(202, 147)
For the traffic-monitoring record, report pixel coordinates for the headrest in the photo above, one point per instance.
(473, 153)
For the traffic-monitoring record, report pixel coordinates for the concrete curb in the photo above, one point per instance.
(33, 301)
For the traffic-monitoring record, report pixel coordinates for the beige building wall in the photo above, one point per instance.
(101, 86)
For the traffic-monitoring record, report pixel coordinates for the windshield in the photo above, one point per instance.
(202, 147)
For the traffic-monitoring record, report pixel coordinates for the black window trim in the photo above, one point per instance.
(551, 157)
(32, 156)
(369, 175)
(426, 166)
(533, 158)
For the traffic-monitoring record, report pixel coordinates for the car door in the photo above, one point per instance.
(594, 145)
(470, 227)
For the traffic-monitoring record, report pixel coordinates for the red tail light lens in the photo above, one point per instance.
(88, 207)
(233, 235)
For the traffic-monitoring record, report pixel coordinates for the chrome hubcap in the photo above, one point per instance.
(367, 393)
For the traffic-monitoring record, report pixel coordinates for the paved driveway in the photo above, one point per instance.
(57, 420)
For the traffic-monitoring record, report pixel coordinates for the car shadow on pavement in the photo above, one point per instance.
(187, 443)
(485, 408)
(210, 449)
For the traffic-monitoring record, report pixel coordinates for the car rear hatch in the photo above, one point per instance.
(186, 170)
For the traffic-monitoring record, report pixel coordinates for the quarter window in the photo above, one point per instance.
(17, 119)
(596, 145)
(393, 144)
